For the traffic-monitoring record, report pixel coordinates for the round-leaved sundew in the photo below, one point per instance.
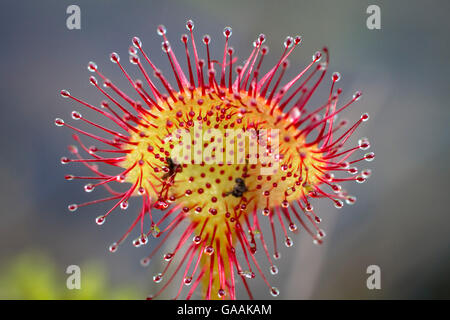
(213, 154)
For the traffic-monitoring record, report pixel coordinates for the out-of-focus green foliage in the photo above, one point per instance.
(35, 276)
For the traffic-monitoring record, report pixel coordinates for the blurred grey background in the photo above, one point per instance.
(401, 220)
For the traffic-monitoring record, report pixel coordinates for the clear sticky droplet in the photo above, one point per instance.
(321, 234)
(221, 293)
(350, 200)
(357, 95)
(288, 242)
(364, 143)
(113, 247)
(360, 179)
(294, 114)
(336, 188)
(274, 291)
(248, 274)
(187, 281)
(93, 80)
(262, 38)
(65, 93)
(76, 115)
(196, 239)
(317, 56)
(92, 66)
(158, 277)
(165, 46)
(124, 205)
(59, 122)
(136, 42)
(100, 220)
(206, 39)
(137, 242)
(369, 156)
(190, 25)
(134, 59)
(161, 30)
(366, 173)
(227, 31)
(288, 42)
(274, 270)
(345, 165)
(161, 204)
(209, 250)
(114, 57)
(145, 262)
(143, 239)
(168, 256)
(336, 76)
(89, 187)
(338, 204)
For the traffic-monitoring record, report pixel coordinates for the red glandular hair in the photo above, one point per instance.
(213, 205)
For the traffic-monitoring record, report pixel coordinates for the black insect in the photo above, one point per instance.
(238, 189)
(173, 168)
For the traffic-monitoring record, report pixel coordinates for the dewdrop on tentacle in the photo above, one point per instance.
(215, 155)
